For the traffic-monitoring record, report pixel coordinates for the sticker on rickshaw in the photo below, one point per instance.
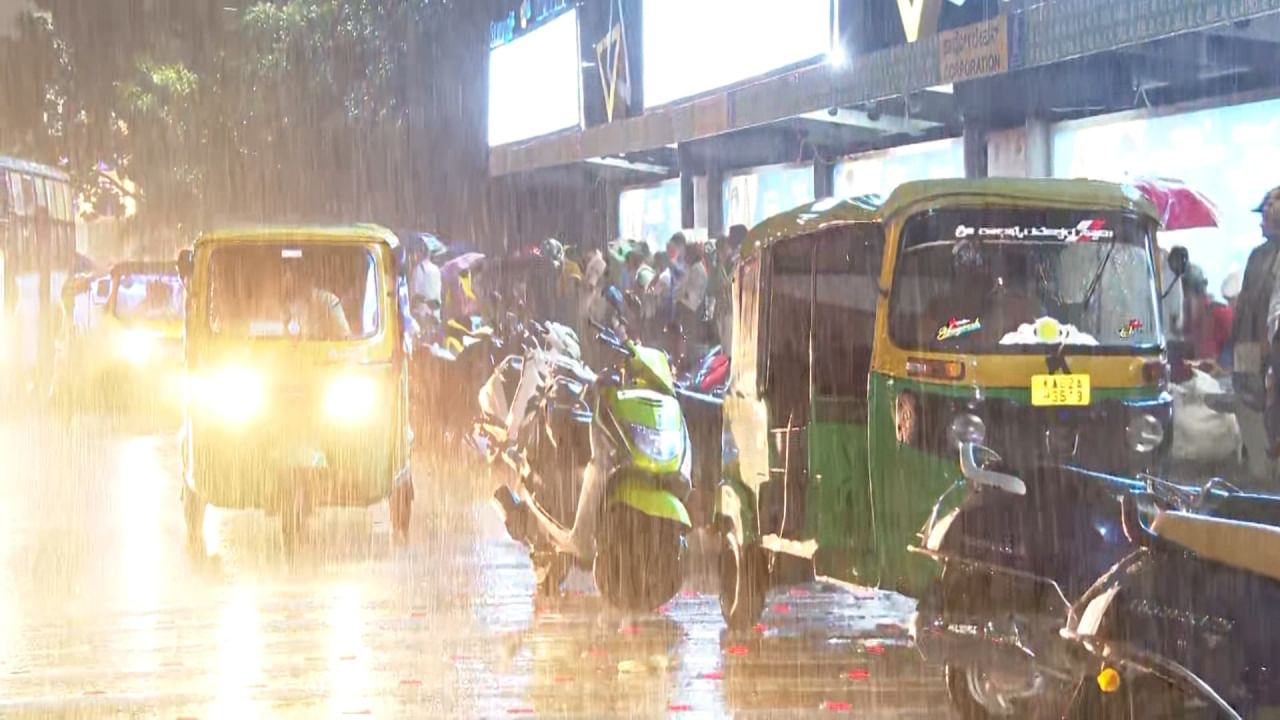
(1130, 328)
(1047, 331)
(957, 327)
(1084, 231)
(1060, 390)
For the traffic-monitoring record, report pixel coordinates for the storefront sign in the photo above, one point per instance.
(615, 69)
(1063, 29)
(974, 51)
(919, 17)
(527, 16)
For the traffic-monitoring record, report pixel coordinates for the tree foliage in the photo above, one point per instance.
(324, 109)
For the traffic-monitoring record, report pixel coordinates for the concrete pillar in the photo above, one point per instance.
(823, 179)
(1039, 147)
(975, 147)
(715, 200)
(688, 172)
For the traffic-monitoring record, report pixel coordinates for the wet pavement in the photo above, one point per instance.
(104, 613)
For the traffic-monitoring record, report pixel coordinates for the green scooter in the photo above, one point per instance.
(630, 522)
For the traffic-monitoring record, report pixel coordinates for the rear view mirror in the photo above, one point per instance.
(101, 290)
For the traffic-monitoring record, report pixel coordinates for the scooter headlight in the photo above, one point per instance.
(1144, 433)
(660, 444)
(234, 395)
(351, 398)
(967, 428)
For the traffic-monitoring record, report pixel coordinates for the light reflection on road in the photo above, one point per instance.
(103, 613)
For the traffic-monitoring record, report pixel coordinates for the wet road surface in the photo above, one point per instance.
(104, 613)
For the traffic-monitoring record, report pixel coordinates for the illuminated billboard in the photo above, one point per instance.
(692, 47)
(535, 82)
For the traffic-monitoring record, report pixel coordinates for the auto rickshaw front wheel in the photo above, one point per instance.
(193, 507)
(744, 582)
(400, 506)
(293, 519)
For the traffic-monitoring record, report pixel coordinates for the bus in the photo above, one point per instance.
(37, 255)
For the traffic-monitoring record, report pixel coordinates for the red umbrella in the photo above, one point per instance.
(1180, 207)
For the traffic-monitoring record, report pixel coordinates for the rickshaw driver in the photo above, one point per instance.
(976, 295)
(311, 310)
(317, 311)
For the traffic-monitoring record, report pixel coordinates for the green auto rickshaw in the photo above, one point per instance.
(871, 334)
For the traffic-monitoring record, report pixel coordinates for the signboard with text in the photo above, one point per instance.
(974, 51)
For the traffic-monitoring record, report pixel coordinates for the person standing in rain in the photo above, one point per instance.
(691, 299)
(721, 292)
(426, 291)
(1253, 332)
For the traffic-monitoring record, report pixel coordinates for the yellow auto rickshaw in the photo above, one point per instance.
(297, 375)
(122, 337)
(873, 337)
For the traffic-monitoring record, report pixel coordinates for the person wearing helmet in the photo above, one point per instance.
(1253, 333)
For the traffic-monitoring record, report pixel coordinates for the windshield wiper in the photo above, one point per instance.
(1097, 277)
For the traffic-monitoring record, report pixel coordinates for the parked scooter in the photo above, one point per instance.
(1013, 554)
(1186, 620)
(534, 412)
(710, 376)
(446, 374)
(629, 521)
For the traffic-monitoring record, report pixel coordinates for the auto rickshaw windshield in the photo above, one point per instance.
(149, 297)
(315, 291)
(992, 280)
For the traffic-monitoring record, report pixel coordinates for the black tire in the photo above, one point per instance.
(293, 520)
(974, 698)
(744, 582)
(193, 508)
(549, 571)
(400, 505)
(639, 563)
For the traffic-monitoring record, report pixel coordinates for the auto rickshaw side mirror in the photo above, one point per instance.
(186, 262)
(102, 290)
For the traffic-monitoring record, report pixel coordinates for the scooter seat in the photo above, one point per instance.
(1247, 546)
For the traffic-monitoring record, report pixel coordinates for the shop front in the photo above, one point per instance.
(751, 196)
(1229, 153)
(879, 172)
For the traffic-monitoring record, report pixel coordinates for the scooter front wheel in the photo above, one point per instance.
(639, 563)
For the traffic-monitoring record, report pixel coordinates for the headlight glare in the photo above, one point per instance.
(234, 395)
(136, 347)
(1144, 433)
(967, 428)
(661, 445)
(351, 398)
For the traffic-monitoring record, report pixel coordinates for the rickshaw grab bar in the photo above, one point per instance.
(975, 473)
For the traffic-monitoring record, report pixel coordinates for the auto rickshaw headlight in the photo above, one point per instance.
(1144, 433)
(351, 398)
(234, 395)
(136, 347)
(967, 428)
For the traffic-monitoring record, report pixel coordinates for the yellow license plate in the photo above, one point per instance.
(1059, 390)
